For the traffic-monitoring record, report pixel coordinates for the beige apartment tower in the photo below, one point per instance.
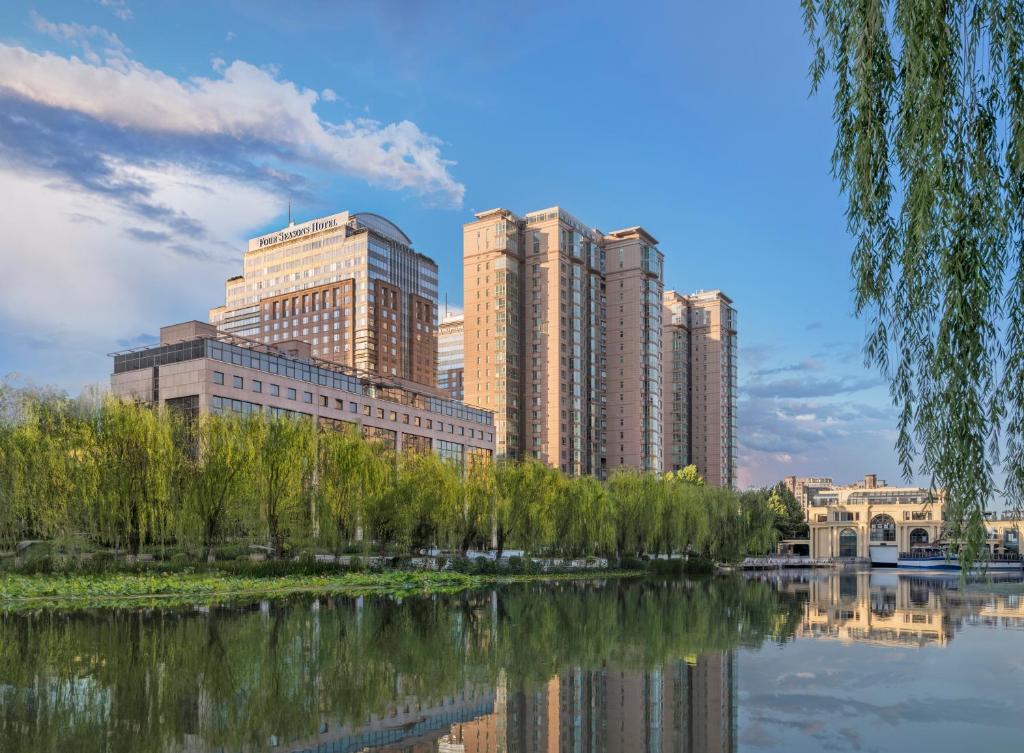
(350, 285)
(562, 332)
(699, 387)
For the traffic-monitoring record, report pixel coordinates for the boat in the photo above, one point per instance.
(938, 559)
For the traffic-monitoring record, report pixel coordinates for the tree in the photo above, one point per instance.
(637, 499)
(352, 474)
(214, 481)
(790, 520)
(687, 475)
(281, 472)
(136, 455)
(929, 113)
(583, 518)
(524, 493)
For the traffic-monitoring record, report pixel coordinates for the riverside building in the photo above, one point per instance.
(699, 367)
(450, 356)
(349, 285)
(562, 338)
(197, 369)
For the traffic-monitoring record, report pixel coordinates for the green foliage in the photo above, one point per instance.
(929, 113)
(125, 477)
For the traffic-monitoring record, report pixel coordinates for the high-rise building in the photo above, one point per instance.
(539, 333)
(450, 356)
(699, 388)
(348, 284)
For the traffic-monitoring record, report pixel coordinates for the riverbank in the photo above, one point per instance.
(77, 591)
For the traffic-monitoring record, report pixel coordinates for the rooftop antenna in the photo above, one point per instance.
(290, 223)
(445, 305)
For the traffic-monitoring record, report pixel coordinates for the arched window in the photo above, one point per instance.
(883, 528)
(918, 537)
(847, 543)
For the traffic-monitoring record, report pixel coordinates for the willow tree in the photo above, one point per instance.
(136, 456)
(281, 472)
(214, 482)
(523, 496)
(929, 151)
(352, 474)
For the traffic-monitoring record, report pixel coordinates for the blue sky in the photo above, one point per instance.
(141, 143)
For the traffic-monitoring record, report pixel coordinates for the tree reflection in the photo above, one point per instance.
(306, 671)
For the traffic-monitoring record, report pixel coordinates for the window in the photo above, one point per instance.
(323, 401)
(291, 393)
(883, 528)
(257, 385)
(847, 543)
(307, 397)
(237, 382)
(218, 377)
(353, 407)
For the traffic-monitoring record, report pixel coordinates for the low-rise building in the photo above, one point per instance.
(197, 369)
(874, 521)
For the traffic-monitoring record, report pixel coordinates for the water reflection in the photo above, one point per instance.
(895, 609)
(594, 666)
(589, 667)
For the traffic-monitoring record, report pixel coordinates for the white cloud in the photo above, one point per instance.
(78, 283)
(329, 95)
(119, 8)
(242, 102)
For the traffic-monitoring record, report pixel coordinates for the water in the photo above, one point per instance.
(798, 662)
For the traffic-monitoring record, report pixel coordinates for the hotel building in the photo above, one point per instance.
(450, 356)
(562, 335)
(197, 369)
(699, 365)
(350, 285)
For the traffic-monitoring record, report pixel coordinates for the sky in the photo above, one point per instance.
(141, 144)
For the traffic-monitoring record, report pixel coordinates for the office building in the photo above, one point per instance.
(450, 356)
(350, 285)
(561, 339)
(197, 369)
(699, 388)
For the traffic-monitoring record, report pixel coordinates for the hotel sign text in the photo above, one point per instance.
(291, 233)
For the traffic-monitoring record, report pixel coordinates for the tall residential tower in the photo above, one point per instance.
(699, 388)
(548, 301)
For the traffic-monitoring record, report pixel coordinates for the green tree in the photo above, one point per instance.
(790, 519)
(281, 473)
(214, 481)
(524, 493)
(352, 474)
(136, 457)
(929, 150)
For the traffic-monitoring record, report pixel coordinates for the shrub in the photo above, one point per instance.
(698, 565)
(667, 567)
(632, 563)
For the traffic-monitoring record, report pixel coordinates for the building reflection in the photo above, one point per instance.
(896, 609)
(687, 706)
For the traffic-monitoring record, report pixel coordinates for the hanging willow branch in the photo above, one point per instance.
(929, 113)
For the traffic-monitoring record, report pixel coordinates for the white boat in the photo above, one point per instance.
(935, 559)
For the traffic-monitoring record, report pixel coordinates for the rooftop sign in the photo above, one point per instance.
(292, 232)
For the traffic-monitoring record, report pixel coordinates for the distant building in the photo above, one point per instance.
(350, 285)
(805, 487)
(562, 339)
(699, 391)
(450, 356)
(196, 369)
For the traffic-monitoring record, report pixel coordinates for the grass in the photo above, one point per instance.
(86, 591)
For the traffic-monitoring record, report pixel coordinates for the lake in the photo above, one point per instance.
(797, 661)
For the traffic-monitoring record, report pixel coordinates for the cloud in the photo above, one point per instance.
(805, 388)
(248, 110)
(230, 36)
(329, 95)
(119, 8)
